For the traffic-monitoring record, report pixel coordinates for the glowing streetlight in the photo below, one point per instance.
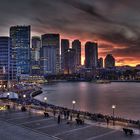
(24, 96)
(45, 99)
(73, 104)
(113, 109)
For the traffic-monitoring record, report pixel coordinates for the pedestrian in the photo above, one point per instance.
(71, 117)
(65, 114)
(68, 113)
(78, 115)
(54, 112)
(58, 121)
(107, 121)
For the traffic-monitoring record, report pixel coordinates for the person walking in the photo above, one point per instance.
(59, 119)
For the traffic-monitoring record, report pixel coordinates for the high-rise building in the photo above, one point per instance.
(91, 55)
(35, 55)
(20, 36)
(109, 61)
(7, 62)
(76, 45)
(50, 54)
(100, 62)
(71, 67)
(64, 55)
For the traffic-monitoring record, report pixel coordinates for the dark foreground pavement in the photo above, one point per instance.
(19, 125)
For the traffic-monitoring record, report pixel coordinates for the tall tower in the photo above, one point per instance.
(71, 56)
(20, 36)
(64, 53)
(76, 45)
(91, 55)
(100, 62)
(109, 61)
(7, 62)
(50, 54)
(35, 55)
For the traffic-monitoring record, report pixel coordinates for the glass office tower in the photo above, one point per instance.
(20, 37)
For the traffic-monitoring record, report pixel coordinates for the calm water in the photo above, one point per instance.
(96, 98)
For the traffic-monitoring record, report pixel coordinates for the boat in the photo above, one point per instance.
(102, 81)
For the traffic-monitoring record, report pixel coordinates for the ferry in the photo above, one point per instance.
(103, 81)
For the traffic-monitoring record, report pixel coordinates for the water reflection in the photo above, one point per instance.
(96, 97)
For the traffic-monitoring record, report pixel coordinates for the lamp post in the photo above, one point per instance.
(73, 107)
(73, 104)
(24, 96)
(45, 99)
(8, 94)
(113, 111)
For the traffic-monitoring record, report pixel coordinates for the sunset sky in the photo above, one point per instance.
(114, 24)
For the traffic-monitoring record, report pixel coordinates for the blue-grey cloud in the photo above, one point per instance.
(116, 22)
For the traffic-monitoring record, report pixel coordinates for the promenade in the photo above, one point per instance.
(17, 125)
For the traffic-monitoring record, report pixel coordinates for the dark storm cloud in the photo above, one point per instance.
(115, 22)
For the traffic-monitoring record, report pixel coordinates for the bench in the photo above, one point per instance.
(46, 114)
(128, 131)
(79, 121)
(23, 109)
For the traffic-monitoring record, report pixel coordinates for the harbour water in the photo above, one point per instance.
(96, 98)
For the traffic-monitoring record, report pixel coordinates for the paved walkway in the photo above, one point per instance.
(22, 126)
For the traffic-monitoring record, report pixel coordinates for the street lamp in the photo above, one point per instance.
(24, 96)
(45, 99)
(113, 109)
(73, 107)
(8, 94)
(73, 104)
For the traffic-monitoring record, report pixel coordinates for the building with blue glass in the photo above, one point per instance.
(50, 54)
(35, 55)
(20, 37)
(7, 61)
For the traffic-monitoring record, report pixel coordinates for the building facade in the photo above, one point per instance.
(71, 56)
(20, 37)
(100, 62)
(109, 61)
(35, 55)
(7, 62)
(76, 45)
(91, 55)
(64, 55)
(50, 54)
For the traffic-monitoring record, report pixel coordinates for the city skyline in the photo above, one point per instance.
(115, 31)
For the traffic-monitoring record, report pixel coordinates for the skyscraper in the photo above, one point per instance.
(64, 56)
(71, 56)
(35, 55)
(76, 45)
(20, 36)
(7, 63)
(109, 61)
(91, 55)
(100, 62)
(50, 54)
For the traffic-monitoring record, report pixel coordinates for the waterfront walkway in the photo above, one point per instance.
(17, 125)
